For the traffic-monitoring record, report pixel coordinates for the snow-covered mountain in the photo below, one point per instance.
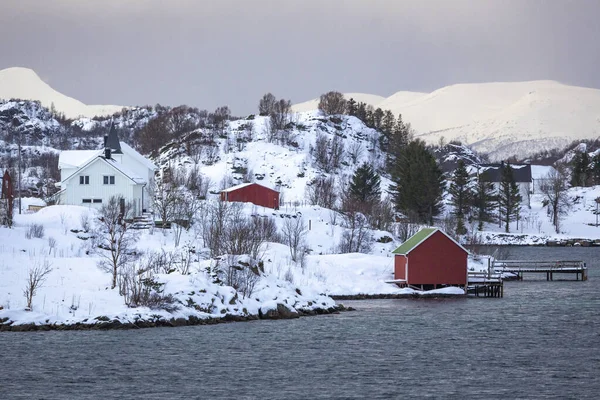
(24, 83)
(501, 119)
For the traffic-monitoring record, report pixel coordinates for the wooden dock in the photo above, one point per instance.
(521, 267)
(482, 284)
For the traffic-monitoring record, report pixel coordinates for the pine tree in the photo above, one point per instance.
(484, 202)
(365, 184)
(418, 183)
(351, 108)
(595, 172)
(461, 195)
(361, 112)
(378, 118)
(509, 198)
(399, 139)
(581, 169)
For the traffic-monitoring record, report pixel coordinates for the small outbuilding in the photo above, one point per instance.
(431, 259)
(252, 193)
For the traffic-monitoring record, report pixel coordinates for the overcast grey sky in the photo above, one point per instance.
(211, 53)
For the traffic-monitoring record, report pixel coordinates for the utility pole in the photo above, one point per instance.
(597, 200)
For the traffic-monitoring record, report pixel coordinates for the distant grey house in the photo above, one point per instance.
(521, 173)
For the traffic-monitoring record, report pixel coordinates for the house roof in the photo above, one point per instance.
(242, 185)
(113, 163)
(130, 151)
(76, 158)
(415, 240)
(493, 172)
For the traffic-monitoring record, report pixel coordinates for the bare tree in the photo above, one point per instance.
(266, 105)
(36, 276)
(213, 220)
(164, 198)
(294, 235)
(281, 115)
(332, 103)
(320, 151)
(336, 152)
(321, 191)
(114, 240)
(554, 189)
(355, 151)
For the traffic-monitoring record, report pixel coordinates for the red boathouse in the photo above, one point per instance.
(252, 193)
(431, 259)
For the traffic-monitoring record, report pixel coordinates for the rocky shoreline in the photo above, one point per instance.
(104, 323)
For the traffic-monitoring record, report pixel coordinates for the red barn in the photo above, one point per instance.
(430, 259)
(252, 193)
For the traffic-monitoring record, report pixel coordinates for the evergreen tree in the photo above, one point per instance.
(461, 195)
(378, 118)
(369, 116)
(365, 184)
(509, 198)
(596, 169)
(399, 139)
(418, 183)
(484, 202)
(351, 107)
(361, 112)
(581, 169)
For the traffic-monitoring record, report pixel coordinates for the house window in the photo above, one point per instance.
(109, 179)
(86, 201)
(84, 179)
(96, 201)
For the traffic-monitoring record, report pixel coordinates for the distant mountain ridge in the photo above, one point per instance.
(500, 119)
(25, 84)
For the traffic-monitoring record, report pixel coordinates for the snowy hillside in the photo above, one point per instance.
(502, 119)
(247, 150)
(24, 83)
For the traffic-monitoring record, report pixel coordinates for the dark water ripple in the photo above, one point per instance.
(542, 341)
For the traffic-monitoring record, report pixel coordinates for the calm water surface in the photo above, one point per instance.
(542, 340)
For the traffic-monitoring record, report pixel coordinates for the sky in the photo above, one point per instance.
(212, 53)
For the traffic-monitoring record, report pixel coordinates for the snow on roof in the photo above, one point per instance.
(541, 171)
(134, 154)
(76, 158)
(112, 162)
(242, 185)
(124, 170)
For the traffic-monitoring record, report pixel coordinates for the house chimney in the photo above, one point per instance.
(105, 140)
(107, 153)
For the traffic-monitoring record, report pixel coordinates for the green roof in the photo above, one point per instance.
(414, 240)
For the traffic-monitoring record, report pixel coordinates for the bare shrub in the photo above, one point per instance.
(294, 234)
(357, 237)
(36, 276)
(241, 275)
(84, 220)
(35, 231)
(51, 244)
(404, 229)
(321, 191)
(113, 239)
(160, 262)
(332, 103)
(139, 288)
(320, 151)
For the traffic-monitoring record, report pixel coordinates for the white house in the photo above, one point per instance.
(521, 174)
(91, 177)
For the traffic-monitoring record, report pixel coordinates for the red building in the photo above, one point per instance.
(431, 259)
(7, 197)
(252, 193)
